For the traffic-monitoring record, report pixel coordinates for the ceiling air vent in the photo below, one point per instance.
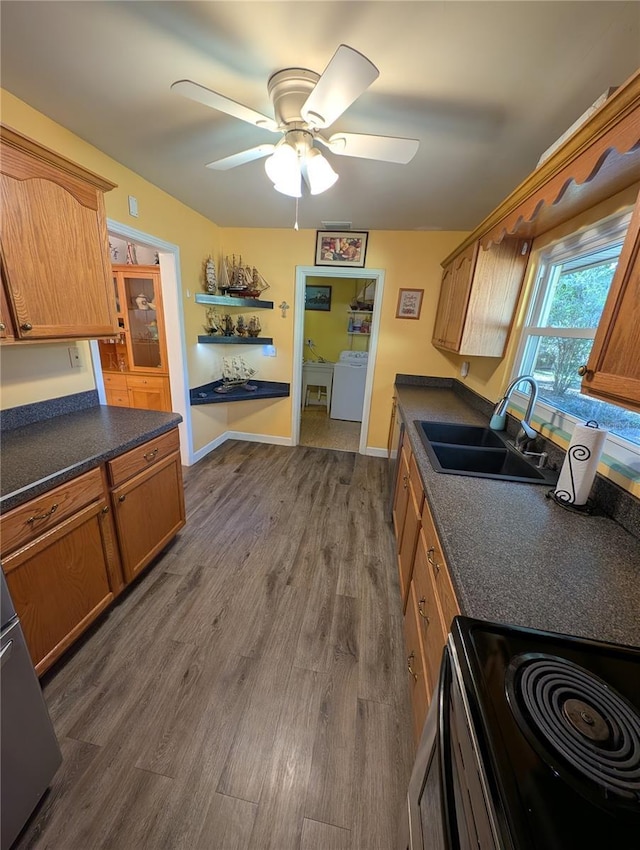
(337, 225)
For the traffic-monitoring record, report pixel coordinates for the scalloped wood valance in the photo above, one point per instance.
(599, 160)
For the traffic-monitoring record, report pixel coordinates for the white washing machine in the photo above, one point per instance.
(349, 378)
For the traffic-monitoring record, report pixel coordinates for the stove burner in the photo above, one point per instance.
(577, 716)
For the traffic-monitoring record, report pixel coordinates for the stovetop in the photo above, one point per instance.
(558, 724)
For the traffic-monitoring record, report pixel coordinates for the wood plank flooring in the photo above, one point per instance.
(249, 691)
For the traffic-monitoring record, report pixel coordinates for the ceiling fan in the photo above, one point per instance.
(304, 104)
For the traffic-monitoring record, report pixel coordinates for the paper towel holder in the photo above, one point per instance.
(587, 509)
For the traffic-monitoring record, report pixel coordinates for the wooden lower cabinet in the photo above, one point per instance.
(149, 512)
(59, 582)
(428, 596)
(145, 392)
(62, 556)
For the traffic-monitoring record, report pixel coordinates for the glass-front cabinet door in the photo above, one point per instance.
(140, 296)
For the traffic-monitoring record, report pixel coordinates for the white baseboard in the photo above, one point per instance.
(373, 451)
(238, 435)
(259, 438)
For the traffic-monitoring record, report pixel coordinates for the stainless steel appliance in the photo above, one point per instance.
(532, 742)
(29, 754)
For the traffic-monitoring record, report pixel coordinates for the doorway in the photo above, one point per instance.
(339, 288)
(169, 262)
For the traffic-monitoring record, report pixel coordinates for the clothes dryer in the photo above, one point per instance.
(349, 379)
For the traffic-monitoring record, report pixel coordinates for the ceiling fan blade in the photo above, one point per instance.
(201, 94)
(241, 158)
(384, 148)
(345, 78)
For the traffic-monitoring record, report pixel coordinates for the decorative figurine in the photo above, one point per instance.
(227, 325)
(210, 276)
(241, 327)
(254, 327)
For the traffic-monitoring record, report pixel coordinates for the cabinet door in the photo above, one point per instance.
(455, 299)
(7, 330)
(55, 250)
(59, 582)
(140, 298)
(416, 668)
(401, 498)
(433, 633)
(149, 392)
(149, 511)
(613, 370)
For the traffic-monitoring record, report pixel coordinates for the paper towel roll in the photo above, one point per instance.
(580, 464)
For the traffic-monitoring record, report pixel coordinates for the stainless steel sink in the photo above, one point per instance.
(479, 452)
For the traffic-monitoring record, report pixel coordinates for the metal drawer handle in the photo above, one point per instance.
(150, 455)
(409, 660)
(31, 519)
(5, 655)
(433, 563)
(405, 478)
(421, 605)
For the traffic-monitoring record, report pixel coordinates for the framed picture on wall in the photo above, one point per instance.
(341, 248)
(409, 303)
(317, 298)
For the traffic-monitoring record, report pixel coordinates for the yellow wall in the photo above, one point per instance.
(410, 259)
(329, 329)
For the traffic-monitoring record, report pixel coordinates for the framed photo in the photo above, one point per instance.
(317, 298)
(409, 303)
(341, 248)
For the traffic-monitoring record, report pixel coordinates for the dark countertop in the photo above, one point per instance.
(206, 394)
(517, 557)
(41, 455)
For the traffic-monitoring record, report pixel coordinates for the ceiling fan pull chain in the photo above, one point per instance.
(295, 226)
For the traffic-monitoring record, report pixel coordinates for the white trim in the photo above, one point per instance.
(240, 435)
(372, 451)
(98, 377)
(302, 272)
(169, 255)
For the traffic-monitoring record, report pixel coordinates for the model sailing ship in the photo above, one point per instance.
(240, 280)
(236, 373)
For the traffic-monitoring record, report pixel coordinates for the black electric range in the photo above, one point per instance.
(557, 722)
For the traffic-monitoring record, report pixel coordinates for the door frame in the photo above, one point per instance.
(302, 273)
(169, 255)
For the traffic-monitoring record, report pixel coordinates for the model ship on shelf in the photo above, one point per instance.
(240, 280)
(236, 374)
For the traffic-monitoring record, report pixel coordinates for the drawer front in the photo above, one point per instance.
(115, 381)
(143, 382)
(409, 539)
(130, 463)
(25, 523)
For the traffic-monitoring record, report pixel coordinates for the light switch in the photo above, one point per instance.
(133, 206)
(269, 350)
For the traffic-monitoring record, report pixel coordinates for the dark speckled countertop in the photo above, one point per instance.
(41, 455)
(517, 557)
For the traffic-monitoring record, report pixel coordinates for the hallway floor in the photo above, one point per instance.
(317, 429)
(249, 691)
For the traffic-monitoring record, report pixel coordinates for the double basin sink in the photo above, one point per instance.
(479, 452)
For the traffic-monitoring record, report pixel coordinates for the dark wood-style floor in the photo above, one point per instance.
(249, 692)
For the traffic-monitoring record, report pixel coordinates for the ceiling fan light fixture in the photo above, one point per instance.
(282, 164)
(320, 174)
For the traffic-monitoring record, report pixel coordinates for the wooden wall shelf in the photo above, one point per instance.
(232, 301)
(235, 340)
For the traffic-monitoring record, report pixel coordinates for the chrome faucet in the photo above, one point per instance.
(526, 432)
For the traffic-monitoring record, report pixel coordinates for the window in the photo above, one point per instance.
(568, 297)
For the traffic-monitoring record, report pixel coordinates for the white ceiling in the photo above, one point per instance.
(485, 86)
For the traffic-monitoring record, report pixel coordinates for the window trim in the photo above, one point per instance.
(617, 451)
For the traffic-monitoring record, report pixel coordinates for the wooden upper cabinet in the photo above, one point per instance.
(478, 296)
(54, 242)
(613, 370)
